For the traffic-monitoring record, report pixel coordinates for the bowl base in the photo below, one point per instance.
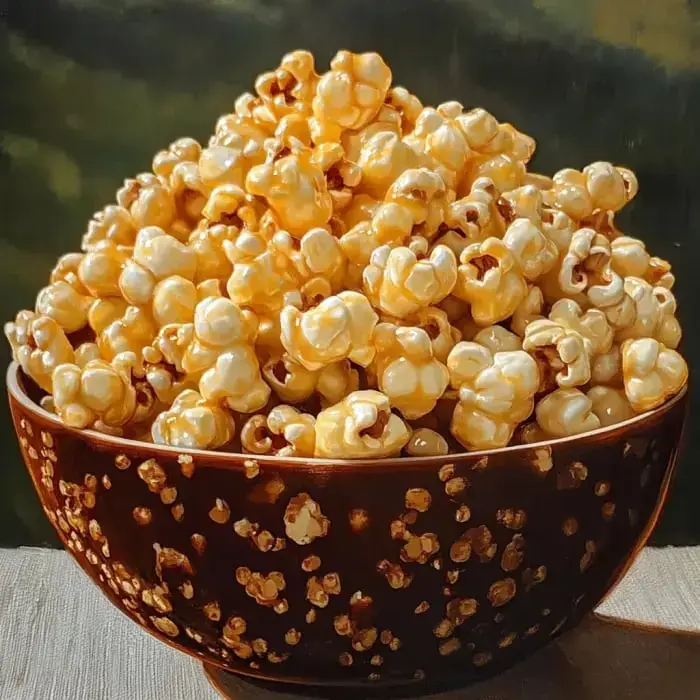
(600, 658)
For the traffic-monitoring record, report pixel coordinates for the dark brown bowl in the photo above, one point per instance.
(379, 572)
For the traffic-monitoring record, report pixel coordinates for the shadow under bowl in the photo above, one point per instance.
(389, 572)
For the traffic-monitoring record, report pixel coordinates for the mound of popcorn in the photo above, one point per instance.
(343, 273)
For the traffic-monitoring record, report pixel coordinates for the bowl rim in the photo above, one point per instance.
(18, 393)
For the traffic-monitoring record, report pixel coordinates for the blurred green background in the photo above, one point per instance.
(90, 89)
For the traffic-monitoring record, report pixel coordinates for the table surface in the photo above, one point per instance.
(60, 639)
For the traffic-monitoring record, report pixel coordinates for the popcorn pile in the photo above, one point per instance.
(344, 273)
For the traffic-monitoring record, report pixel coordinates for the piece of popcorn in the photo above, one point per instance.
(323, 257)
(559, 228)
(652, 373)
(391, 224)
(525, 202)
(290, 380)
(219, 325)
(437, 136)
(407, 372)
(423, 192)
(606, 368)
(566, 412)
(498, 339)
(113, 224)
(39, 345)
(103, 312)
(472, 219)
(174, 300)
(387, 119)
(400, 284)
(339, 327)
(61, 302)
(533, 251)
(560, 352)
(490, 280)
(264, 281)
(425, 442)
(99, 393)
(342, 175)
(586, 268)
(100, 268)
(609, 405)
(235, 380)
(351, 93)
(296, 189)
(655, 309)
(530, 309)
(435, 322)
(193, 422)
(289, 88)
(208, 246)
(148, 200)
(285, 432)
(592, 325)
(407, 105)
(132, 332)
(382, 159)
(496, 392)
(336, 381)
(180, 151)
(360, 426)
(599, 186)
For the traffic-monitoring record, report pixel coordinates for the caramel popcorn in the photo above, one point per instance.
(490, 280)
(652, 372)
(191, 421)
(399, 284)
(353, 272)
(39, 345)
(284, 431)
(98, 391)
(339, 327)
(496, 392)
(407, 372)
(360, 426)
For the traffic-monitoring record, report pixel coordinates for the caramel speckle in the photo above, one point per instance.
(359, 519)
(418, 499)
(142, 515)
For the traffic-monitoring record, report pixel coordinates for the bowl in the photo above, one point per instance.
(374, 573)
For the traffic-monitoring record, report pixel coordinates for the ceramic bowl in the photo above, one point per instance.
(385, 572)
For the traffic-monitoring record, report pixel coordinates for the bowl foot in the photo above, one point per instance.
(600, 658)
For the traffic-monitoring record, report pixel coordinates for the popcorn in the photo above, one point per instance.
(360, 426)
(284, 432)
(295, 188)
(652, 373)
(400, 284)
(609, 405)
(192, 421)
(496, 392)
(339, 327)
(98, 391)
(498, 339)
(560, 353)
(409, 375)
(566, 412)
(533, 251)
(472, 219)
(490, 280)
(337, 258)
(39, 345)
(61, 302)
(351, 93)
